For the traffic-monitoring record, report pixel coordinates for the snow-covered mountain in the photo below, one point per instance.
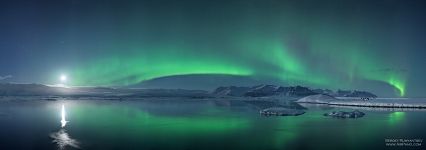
(231, 91)
(265, 90)
(354, 93)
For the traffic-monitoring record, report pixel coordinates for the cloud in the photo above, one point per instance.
(5, 77)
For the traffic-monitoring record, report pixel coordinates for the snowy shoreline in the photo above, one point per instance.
(381, 103)
(354, 102)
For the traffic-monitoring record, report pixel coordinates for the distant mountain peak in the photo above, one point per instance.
(264, 90)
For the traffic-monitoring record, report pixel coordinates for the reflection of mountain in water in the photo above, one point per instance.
(63, 140)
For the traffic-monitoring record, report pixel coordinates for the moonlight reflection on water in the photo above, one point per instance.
(63, 121)
(61, 138)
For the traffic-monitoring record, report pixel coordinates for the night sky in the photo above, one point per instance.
(371, 45)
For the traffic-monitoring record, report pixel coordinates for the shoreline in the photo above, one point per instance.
(380, 103)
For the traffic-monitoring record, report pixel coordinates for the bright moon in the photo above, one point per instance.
(63, 78)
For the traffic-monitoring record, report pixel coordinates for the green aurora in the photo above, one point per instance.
(325, 46)
(258, 58)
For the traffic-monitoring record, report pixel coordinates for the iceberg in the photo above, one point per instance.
(280, 111)
(343, 114)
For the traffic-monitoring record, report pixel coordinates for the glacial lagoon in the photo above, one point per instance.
(196, 124)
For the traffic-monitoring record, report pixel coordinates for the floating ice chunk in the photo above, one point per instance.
(279, 111)
(343, 114)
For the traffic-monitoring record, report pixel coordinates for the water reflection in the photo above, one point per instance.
(63, 121)
(61, 138)
(396, 117)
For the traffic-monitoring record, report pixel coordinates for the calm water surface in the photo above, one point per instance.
(195, 124)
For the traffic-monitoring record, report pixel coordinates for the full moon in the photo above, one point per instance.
(63, 78)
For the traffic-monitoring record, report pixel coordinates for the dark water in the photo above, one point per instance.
(196, 124)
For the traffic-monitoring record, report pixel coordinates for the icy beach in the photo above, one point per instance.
(377, 102)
